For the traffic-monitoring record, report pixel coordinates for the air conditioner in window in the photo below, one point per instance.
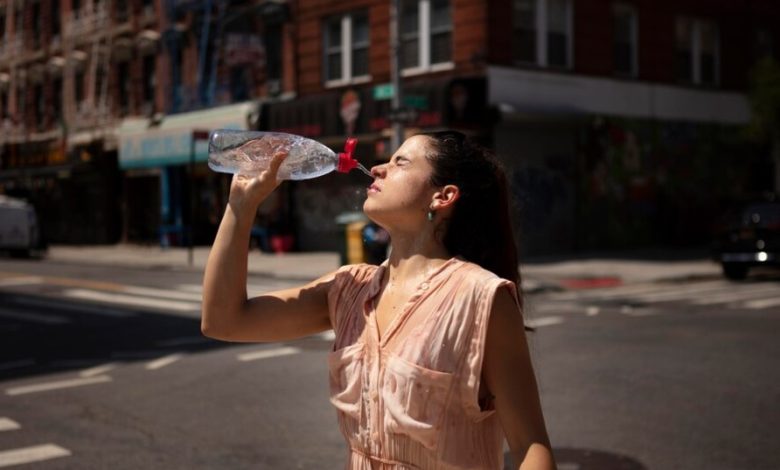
(274, 87)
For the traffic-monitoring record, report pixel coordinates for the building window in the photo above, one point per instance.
(2, 27)
(40, 107)
(122, 11)
(78, 87)
(57, 99)
(698, 51)
(75, 7)
(36, 25)
(346, 48)
(149, 82)
(543, 32)
(124, 88)
(148, 7)
(3, 103)
(626, 39)
(54, 6)
(425, 35)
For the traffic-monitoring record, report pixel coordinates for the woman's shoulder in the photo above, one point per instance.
(475, 273)
(357, 272)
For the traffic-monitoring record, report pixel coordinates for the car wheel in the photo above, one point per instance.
(735, 272)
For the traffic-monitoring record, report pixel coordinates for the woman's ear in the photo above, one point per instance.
(446, 197)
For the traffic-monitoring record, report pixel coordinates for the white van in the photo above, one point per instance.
(19, 231)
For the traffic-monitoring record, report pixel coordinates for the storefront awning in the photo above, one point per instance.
(539, 93)
(145, 145)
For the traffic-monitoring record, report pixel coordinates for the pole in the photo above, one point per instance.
(191, 222)
(395, 71)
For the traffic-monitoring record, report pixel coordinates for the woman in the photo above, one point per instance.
(430, 366)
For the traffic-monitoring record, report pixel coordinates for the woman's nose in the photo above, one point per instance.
(377, 170)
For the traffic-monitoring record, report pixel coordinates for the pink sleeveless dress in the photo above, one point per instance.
(410, 400)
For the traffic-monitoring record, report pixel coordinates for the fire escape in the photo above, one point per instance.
(87, 41)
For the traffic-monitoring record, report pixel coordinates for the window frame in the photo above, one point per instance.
(541, 30)
(424, 36)
(696, 49)
(632, 11)
(345, 49)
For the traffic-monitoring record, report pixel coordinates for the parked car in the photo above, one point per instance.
(20, 233)
(749, 236)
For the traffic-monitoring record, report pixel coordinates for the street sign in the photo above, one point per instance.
(384, 91)
(404, 115)
(416, 101)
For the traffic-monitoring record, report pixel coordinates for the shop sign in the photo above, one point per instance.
(384, 91)
(350, 110)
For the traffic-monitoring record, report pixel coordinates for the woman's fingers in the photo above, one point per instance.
(276, 162)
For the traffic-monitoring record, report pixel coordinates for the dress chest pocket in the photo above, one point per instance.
(415, 400)
(346, 370)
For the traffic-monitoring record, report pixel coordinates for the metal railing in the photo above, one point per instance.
(89, 19)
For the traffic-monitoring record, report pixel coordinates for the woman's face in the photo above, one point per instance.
(401, 193)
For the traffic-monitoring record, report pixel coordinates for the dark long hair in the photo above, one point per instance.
(480, 227)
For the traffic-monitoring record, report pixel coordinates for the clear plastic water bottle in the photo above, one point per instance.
(250, 152)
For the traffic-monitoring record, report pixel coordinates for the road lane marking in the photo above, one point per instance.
(45, 387)
(34, 317)
(761, 303)
(32, 454)
(124, 299)
(97, 370)
(21, 281)
(60, 305)
(162, 293)
(164, 361)
(7, 424)
(267, 353)
(592, 311)
(743, 294)
(543, 321)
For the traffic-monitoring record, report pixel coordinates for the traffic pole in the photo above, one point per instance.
(395, 70)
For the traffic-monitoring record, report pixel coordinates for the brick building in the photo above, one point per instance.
(606, 114)
(619, 121)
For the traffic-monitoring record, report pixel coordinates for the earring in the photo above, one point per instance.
(430, 216)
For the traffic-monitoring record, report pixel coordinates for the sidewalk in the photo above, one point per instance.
(577, 271)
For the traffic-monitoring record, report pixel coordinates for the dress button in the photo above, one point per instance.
(375, 436)
(424, 286)
(374, 395)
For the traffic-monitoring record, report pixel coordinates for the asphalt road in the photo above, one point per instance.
(104, 367)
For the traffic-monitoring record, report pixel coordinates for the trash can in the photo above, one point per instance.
(352, 250)
(375, 243)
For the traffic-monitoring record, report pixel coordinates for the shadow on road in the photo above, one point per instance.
(42, 335)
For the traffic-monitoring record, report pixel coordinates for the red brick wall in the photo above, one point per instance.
(593, 35)
(469, 38)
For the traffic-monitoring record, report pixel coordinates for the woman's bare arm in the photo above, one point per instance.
(509, 375)
(227, 314)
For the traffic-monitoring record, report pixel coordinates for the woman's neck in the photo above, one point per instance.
(414, 256)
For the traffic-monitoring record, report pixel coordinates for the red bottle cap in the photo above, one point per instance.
(346, 162)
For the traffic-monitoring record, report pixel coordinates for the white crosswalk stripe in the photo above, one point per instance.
(131, 300)
(702, 293)
(761, 303)
(7, 424)
(32, 454)
(267, 353)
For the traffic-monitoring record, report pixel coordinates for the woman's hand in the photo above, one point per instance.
(247, 192)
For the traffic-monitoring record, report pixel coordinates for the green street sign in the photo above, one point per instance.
(384, 91)
(416, 101)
